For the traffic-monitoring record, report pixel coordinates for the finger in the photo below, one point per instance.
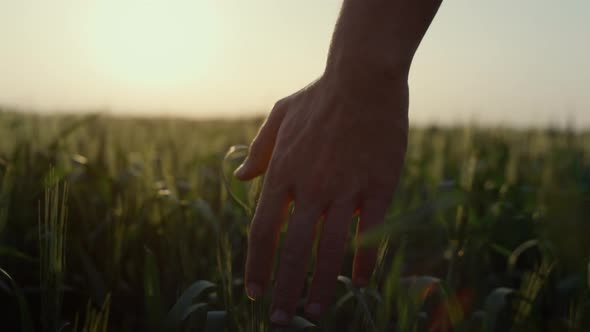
(262, 146)
(293, 264)
(331, 250)
(262, 240)
(372, 214)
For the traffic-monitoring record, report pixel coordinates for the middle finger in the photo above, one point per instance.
(294, 262)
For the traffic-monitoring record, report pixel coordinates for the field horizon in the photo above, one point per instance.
(563, 124)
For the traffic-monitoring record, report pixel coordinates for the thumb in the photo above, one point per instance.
(262, 145)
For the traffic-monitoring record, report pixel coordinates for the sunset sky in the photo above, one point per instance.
(513, 62)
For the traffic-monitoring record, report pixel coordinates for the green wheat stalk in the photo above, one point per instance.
(52, 245)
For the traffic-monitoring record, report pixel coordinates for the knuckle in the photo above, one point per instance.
(314, 188)
(280, 105)
(279, 109)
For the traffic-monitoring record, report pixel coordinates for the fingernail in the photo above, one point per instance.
(314, 309)
(254, 291)
(279, 317)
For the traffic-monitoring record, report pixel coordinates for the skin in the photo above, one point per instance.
(334, 149)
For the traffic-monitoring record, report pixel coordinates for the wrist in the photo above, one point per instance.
(365, 52)
(363, 78)
(374, 43)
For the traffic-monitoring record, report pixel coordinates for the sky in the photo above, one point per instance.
(523, 62)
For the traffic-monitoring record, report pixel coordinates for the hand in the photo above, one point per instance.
(333, 150)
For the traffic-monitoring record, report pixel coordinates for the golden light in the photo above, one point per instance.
(151, 44)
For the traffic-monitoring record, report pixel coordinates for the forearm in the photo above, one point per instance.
(375, 40)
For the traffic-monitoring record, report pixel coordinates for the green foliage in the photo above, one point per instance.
(151, 287)
(184, 307)
(95, 320)
(488, 230)
(52, 251)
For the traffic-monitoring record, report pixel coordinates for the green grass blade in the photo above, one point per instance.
(235, 152)
(152, 296)
(183, 305)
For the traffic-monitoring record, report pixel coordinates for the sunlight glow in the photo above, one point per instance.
(236, 58)
(152, 44)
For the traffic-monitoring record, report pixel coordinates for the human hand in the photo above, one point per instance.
(334, 151)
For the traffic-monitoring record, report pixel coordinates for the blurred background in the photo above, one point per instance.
(121, 122)
(502, 62)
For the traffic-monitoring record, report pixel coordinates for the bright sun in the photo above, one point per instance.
(152, 44)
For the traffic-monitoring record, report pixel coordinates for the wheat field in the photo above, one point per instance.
(131, 224)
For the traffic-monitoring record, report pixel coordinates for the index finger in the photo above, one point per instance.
(264, 231)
